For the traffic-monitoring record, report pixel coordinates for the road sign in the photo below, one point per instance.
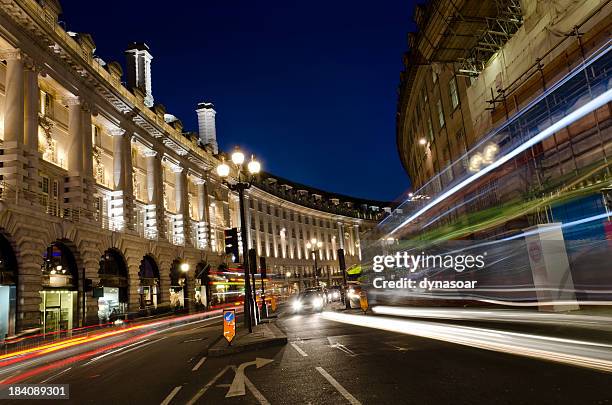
(229, 324)
(363, 301)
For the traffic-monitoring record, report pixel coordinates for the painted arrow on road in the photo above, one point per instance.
(237, 387)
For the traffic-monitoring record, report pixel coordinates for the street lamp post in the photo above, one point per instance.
(242, 183)
(313, 246)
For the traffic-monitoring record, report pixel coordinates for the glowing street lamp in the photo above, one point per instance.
(313, 246)
(242, 182)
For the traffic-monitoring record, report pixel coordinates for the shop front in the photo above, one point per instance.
(8, 288)
(111, 291)
(59, 295)
(202, 287)
(148, 289)
(178, 284)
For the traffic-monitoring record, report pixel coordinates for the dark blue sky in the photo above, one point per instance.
(308, 86)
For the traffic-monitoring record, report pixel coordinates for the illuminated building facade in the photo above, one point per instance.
(480, 80)
(99, 183)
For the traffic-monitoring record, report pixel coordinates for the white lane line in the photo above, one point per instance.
(141, 346)
(114, 351)
(352, 400)
(197, 366)
(299, 350)
(262, 400)
(54, 376)
(171, 395)
(206, 387)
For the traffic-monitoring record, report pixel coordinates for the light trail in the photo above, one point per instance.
(596, 55)
(26, 354)
(70, 360)
(572, 117)
(567, 351)
(499, 315)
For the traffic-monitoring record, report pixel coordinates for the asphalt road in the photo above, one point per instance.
(326, 362)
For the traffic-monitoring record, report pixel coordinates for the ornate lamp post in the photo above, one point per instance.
(243, 181)
(314, 245)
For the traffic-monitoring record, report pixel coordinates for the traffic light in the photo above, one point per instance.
(88, 285)
(262, 266)
(231, 244)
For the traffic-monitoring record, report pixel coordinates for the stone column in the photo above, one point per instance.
(357, 241)
(88, 174)
(201, 188)
(128, 184)
(13, 159)
(86, 112)
(14, 96)
(155, 184)
(118, 168)
(151, 197)
(341, 235)
(118, 197)
(75, 143)
(74, 183)
(182, 206)
(31, 107)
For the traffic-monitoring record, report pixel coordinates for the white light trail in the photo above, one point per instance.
(572, 117)
(573, 352)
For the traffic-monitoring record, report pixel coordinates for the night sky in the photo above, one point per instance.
(309, 87)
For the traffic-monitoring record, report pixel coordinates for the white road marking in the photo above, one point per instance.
(238, 384)
(197, 366)
(299, 350)
(352, 400)
(55, 376)
(171, 395)
(342, 348)
(113, 352)
(141, 346)
(262, 400)
(201, 392)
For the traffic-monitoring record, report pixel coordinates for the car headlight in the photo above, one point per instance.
(297, 305)
(317, 302)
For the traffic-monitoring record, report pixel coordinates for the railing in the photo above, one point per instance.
(11, 194)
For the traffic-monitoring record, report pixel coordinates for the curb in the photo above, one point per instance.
(221, 349)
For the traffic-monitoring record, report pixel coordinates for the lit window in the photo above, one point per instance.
(440, 114)
(452, 88)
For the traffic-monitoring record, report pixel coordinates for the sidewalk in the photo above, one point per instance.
(264, 335)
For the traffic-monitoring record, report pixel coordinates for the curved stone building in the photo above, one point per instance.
(107, 206)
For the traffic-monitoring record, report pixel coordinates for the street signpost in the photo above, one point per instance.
(229, 325)
(363, 301)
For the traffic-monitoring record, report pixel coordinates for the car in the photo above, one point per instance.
(321, 290)
(308, 300)
(335, 293)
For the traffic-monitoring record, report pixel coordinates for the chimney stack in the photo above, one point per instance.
(207, 128)
(139, 70)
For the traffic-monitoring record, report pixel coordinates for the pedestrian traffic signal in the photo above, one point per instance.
(88, 285)
(231, 244)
